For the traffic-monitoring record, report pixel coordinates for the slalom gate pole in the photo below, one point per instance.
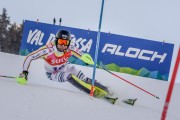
(171, 86)
(7, 76)
(97, 49)
(129, 82)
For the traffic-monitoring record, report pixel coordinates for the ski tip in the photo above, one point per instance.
(134, 101)
(130, 101)
(115, 100)
(111, 100)
(157, 97)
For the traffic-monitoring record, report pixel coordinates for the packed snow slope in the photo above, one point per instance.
(42, 99)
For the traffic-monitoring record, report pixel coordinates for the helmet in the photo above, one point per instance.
(63, 34)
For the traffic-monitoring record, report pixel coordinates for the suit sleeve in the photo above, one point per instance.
(75, 51)
(33, 56)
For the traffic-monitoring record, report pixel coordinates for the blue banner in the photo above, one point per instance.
(118, 53)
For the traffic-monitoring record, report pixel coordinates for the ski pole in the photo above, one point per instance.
(7, 76)
(128, 82)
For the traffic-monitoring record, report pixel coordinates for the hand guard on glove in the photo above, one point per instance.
(22, 79)
(87, 59)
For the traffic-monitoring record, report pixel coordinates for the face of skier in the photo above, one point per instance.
(62, 45)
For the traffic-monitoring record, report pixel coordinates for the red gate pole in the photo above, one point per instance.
(171, 86)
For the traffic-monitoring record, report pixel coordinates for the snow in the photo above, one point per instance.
(42, 99)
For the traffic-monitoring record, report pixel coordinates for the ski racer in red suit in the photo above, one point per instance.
(57, 67)
(56, 55)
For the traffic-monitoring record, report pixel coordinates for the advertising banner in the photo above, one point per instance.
(118, 53)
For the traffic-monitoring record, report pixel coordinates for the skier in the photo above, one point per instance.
(56, 56)
(57, 67)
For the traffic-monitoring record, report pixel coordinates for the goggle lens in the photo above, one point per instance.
(62, 41)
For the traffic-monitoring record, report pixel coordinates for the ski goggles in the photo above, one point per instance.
(63, 42)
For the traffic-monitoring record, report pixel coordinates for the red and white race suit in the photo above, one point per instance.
(56, 63)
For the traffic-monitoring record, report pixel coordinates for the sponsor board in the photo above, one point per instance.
(118, 53)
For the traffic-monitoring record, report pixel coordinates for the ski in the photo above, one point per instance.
(100, 92)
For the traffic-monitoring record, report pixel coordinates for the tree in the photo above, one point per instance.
(4, 23)
(10, 34)
(19, 36)
(12, 39)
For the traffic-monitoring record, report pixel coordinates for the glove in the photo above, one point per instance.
(22, 79)
(87, 59)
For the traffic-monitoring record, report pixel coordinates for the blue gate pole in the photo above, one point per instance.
(97, 50)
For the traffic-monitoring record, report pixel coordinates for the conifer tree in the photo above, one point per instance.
(10, 34)
(4, 23)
